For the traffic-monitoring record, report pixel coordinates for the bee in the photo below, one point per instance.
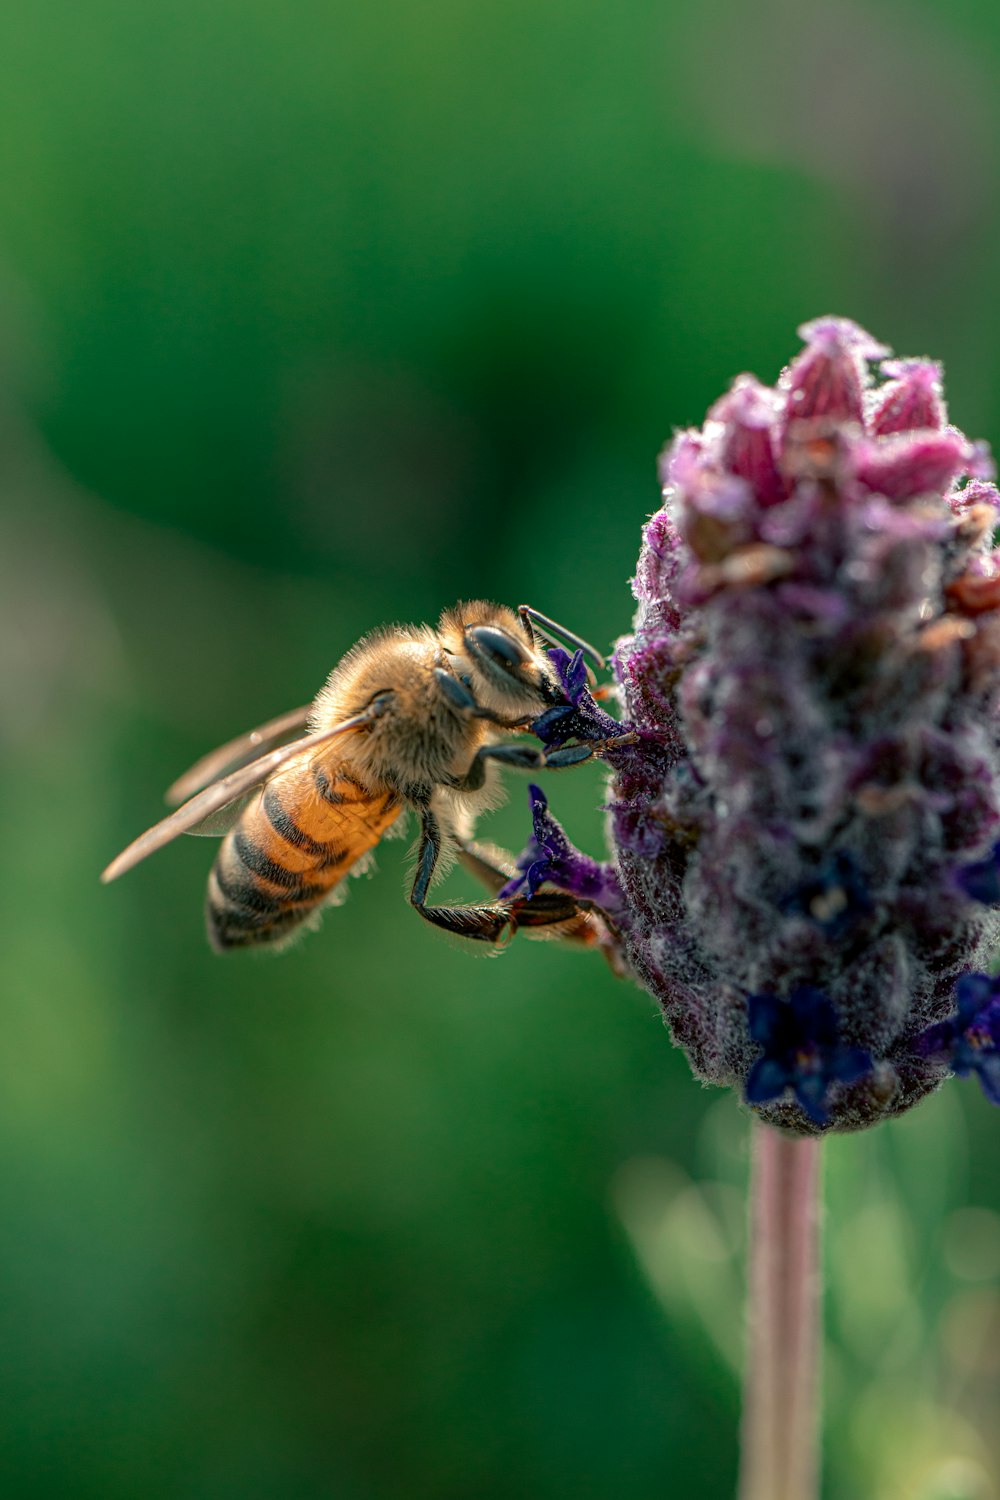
(411, 718)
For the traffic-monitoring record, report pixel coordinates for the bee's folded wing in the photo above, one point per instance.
(210, 804)
(237, 753)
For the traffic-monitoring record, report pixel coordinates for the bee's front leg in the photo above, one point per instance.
(528, 758)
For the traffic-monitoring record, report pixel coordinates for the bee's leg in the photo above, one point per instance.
(489, 922)
(527, 758)
(462, 698)
(524, 757)
(494, 868)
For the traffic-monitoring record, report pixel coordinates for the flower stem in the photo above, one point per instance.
(780, 1437)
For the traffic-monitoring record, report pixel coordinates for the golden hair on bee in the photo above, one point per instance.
(411, 717)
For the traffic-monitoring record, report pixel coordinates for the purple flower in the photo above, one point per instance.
(581, 717)
(571, 671)
(551, 859)
(802, 1051)
(970, 1041)
(813, 804)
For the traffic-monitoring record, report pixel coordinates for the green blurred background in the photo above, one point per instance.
(314, 316)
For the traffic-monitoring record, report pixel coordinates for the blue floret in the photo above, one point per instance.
(802, 1051)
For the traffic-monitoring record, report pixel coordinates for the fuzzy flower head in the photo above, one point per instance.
(807, 835)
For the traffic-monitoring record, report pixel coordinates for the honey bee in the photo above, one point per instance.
(411, 718)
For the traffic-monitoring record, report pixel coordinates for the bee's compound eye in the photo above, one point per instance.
(498, 646)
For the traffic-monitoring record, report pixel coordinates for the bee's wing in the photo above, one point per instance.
(218, 823)
(201, 814)
(236, 753)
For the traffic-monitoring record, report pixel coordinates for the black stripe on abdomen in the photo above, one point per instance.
(235, 927)
(259, 863)
(254, 900)
(246, 892)
(286, 827)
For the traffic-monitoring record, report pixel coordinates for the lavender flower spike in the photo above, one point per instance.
(808, 829)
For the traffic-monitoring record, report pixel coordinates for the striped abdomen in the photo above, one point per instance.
(291, 847)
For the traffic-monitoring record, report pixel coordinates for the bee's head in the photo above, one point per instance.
(493, 652)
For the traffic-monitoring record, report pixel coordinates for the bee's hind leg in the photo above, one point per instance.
(584, 924)
(486, 923)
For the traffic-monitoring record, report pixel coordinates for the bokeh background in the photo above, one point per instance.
(314, 316)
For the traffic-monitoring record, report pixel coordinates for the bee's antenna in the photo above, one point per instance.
(550, 631)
